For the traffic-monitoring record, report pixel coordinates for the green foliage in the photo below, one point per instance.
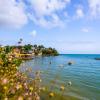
(49, 52)
(6, 59)
(2, 56)
(7, 49)
(17, 62)
(36, 49)
(27, 48)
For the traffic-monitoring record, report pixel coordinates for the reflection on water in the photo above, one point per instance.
(84, 74)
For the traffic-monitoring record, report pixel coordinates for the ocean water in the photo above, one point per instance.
(84, 74)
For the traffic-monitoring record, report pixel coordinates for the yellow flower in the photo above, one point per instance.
(40, 80)
(13, 65)
(19, 86)
(62, 88)
(7, 71)
(20, 98)
(11, 84)
(5, 88)
(16, 67)
(1, 62)
(31, 88)
(43, 88)
(12, 80)
(51, 94)
(2, 71)
(6, 98)
(26, 94)
(10, 59)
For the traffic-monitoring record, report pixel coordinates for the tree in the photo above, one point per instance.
(27, 48)
(35, 46)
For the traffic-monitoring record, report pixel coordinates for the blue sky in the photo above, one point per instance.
(70, 26)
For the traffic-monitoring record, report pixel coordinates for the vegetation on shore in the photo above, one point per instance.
(36, 50)
(16, 85)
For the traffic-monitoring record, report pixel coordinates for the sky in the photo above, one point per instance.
(70, 26)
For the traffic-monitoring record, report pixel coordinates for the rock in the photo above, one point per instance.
(69, 83)
(97, 58)
(50, 62)
(70, 62)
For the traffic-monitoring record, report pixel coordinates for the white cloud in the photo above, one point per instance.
(94, 7)
(12, 14)
(86, 30)
(79, 13)
(46, 7)
(43, 12)
(33, 33)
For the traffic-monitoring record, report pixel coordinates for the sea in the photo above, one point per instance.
(81, 79)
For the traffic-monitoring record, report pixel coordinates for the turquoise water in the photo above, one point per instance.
(84, 74)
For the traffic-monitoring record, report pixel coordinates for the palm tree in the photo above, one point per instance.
(20, 41)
